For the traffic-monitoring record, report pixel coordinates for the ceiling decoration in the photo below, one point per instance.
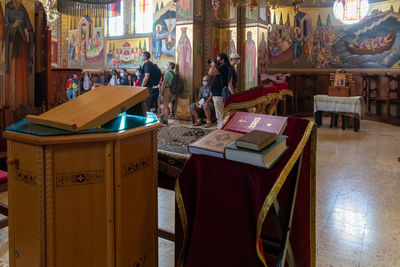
(84, 7)
(272, 4)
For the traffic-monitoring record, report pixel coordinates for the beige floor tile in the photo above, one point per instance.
(334, 247)
(324, 261)
(379, 257)
(165, 253)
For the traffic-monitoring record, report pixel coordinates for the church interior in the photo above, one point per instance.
(117, 118)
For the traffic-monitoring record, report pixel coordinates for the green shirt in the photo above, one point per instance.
(170, 76)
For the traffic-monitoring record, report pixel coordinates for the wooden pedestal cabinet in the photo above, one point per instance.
(83, 199)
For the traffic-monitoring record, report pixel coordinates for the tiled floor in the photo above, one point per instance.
(358, 199)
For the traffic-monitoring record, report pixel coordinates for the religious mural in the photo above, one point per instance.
(54, 46)
(126, 53)
(228, 39)
(86, 45)
(184, 49)
(19, 52)
(319, 41)
(226, 12)
(249, 56)
(184, 9)
(164, 34)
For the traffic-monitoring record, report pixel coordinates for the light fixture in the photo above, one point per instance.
(50, 7)
(84, 7)
(350, 11)
(241, 3)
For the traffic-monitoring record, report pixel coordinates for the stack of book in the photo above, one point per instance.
(251, 138)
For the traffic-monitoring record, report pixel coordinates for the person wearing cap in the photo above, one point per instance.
(232, 77)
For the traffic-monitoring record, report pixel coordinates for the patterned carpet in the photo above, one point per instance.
(176, 138)
(172, 144)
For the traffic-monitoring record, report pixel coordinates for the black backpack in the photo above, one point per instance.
(155, 75)
(177, 85)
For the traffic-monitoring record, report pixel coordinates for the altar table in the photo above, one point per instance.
(225, 206)
(353, 106)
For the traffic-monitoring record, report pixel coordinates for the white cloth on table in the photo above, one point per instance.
(352, 104)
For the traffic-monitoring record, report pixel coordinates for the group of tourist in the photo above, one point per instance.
(217, 85)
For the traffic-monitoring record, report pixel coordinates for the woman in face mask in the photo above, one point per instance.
(114, 79)
(123, 77)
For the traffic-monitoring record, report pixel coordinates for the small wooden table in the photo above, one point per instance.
(345, 106)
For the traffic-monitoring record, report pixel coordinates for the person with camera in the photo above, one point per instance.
(219, 71)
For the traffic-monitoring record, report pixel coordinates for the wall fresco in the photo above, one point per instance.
(315, 39)
(86, 44)
(249, 57)
(184, 9)
(164, 34)
(126, 53)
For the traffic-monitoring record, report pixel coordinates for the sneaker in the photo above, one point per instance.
(208, 125)
(197, 123)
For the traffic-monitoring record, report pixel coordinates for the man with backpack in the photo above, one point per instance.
(151, 80)
(166, 95)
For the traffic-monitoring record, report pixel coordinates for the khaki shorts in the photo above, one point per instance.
(167, 97)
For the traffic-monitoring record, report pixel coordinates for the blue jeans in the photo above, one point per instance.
(71, 94)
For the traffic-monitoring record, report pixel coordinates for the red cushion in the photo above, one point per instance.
(3, 177)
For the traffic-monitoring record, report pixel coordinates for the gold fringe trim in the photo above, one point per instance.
(313, 164)
(277, 187)
(182, 213)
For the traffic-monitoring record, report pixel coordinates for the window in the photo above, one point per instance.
(116, 19)
(143, 16)
(350, 11)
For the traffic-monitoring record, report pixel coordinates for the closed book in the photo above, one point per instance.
(214, 143)
(265, 158)
(256, 140)
(244, 122)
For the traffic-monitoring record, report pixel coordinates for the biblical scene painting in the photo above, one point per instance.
(164, 33)
(86, 44)
(226, 12)
(184, 9)
(19, 51)
(126, 53)
(319, 41)
(249, 57)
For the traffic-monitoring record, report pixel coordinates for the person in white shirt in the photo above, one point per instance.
(114, 79)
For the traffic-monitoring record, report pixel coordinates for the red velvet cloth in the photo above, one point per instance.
(3, 177)
(222, 201)
(251, 94)
(281, 85)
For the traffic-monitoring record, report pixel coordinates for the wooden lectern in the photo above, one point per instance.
(83, 184)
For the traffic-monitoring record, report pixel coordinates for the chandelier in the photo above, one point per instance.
(241, 3)
(272, 4)
(50, 7)
(84, 7)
